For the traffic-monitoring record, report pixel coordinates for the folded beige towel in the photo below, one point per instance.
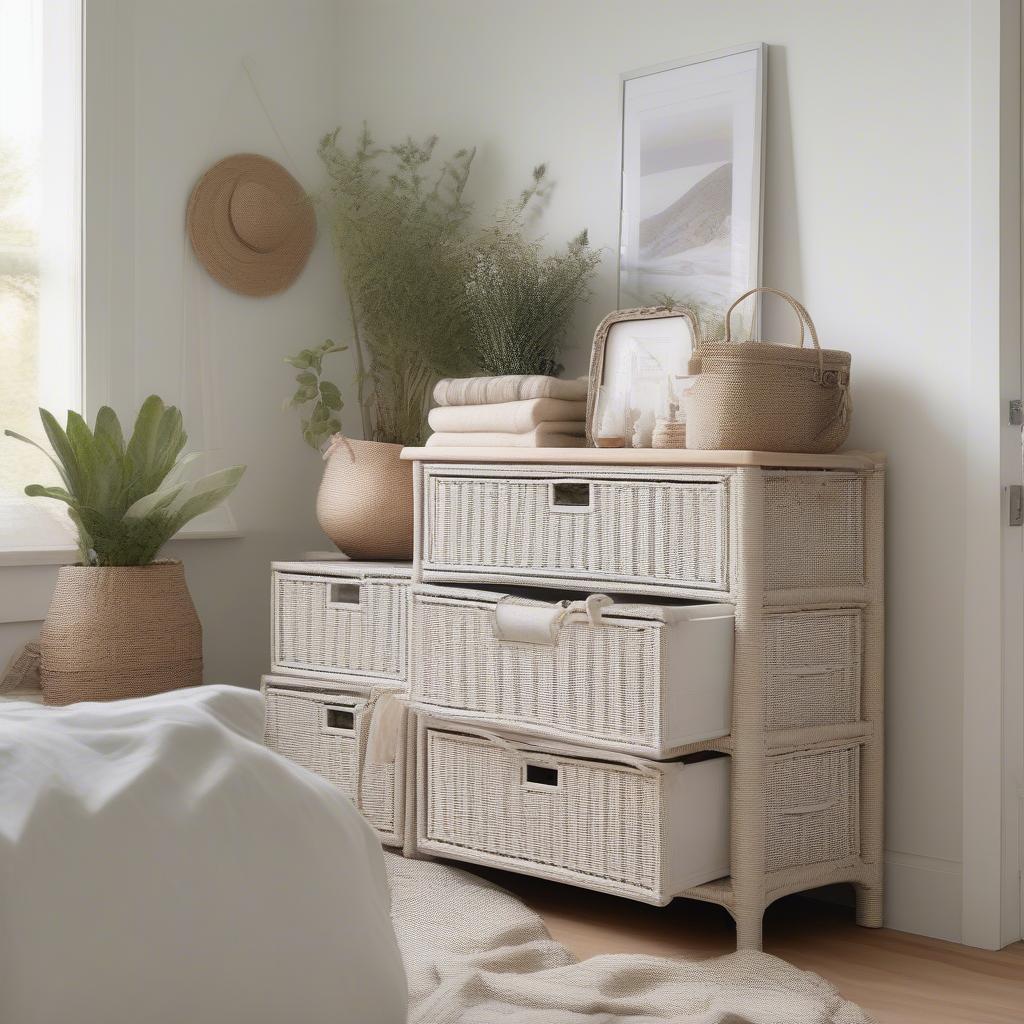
(541, 437)
(385, 728)
(513, 388)
(508, 417)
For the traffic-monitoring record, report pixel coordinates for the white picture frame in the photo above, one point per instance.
(639, 368)
(690, 231)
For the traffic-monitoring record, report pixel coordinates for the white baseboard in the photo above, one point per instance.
(923, 895)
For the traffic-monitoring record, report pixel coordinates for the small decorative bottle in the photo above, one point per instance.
(669, 432)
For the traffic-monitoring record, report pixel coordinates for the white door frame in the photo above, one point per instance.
(993, 724)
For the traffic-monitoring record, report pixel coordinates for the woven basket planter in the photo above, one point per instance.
(119, 631)
(365, 500)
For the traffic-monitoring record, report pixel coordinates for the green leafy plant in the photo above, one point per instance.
(321, 395)
(517, 300)
(430, 296)
(397, 221)
(127, 499)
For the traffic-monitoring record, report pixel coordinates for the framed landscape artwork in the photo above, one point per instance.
(692, 173)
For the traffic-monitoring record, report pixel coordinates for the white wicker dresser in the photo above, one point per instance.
(715, 733)
(339, 646)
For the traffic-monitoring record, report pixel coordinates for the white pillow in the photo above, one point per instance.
(158, 865)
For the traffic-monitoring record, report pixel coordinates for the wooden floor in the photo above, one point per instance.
(898, 978)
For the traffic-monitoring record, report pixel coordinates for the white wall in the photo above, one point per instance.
(192, 104)
(168, 97)
(866, 219)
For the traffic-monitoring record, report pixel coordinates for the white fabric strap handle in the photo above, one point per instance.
(539, 624)
(524, 752)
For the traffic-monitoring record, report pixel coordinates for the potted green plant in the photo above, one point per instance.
(517, 299)
(421, 287)
(121, 622)
(395, 219)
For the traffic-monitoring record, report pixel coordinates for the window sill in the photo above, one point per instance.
(69, 555)
(218, 524)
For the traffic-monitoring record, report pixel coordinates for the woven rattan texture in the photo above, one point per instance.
(813, 802)
(812, 668)
(295, 729)
(114, 632)
(769, 398)
(311, 632)
(595, 684)
(601, 826)
(631, 529)
(814, 530)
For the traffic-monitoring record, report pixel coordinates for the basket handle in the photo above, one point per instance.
(802, 315)
(824, 805)
(539, 624)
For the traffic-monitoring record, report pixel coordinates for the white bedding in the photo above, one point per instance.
(159, 866)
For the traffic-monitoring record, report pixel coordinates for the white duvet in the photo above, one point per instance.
(159, 866)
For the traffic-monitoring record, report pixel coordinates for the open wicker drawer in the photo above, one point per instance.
(643, 676)
(662, 533)
(341, 619)
(624, 825)
(327, 733)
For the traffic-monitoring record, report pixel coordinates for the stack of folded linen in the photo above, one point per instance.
(509, 412)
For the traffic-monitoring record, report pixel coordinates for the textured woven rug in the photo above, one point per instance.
(474, 954)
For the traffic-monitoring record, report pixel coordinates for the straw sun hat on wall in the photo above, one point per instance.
(251, 224)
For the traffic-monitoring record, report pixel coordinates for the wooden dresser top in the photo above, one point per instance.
(648, 457)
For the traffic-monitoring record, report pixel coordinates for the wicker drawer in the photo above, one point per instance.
(813, 808)
(642, 677)
(327, 733)
(813, 668)
(634, 828)
(351, 622)
(643, 531)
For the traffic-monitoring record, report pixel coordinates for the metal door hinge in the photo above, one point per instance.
(1016, 513)
(1015, 414)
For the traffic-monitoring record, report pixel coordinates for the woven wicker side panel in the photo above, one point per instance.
(310, 633)
(813, 808)
(661, 531)
(603, 823)
(814, 530)
(294, 730)
(812, 668)
(596, 683)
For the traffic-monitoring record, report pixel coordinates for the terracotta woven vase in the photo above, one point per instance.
(365, 500)
(119, 631)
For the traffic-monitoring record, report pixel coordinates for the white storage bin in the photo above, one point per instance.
(645, 677)
(636, 828)
(327, 733)
(347, 619)
(667, 532)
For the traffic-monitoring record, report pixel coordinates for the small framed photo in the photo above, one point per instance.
(692, 173)
(639, 374)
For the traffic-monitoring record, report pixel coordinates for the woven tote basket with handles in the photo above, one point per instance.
(757, 396)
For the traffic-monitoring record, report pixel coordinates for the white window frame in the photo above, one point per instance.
(29, 538)
(993, 681)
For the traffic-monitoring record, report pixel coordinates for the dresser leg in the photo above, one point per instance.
(869, 905)
(748, 928)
